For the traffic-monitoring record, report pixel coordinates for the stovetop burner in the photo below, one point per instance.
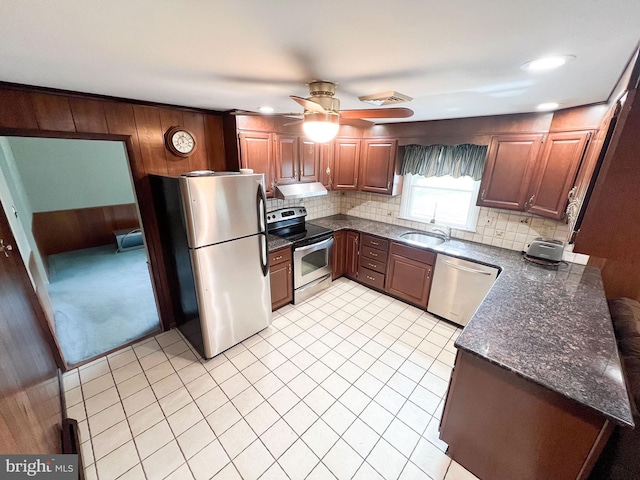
(289, 223)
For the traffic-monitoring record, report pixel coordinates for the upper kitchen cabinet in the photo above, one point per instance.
(325, 164)
(377, 166)
(286, 159)
(556, 170)
(309, 160)
(256, 152)
(508, 171)
(346, 163)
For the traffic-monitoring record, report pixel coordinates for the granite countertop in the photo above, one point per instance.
(275, 243)
(550, 326)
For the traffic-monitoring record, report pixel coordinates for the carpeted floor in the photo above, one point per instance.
(101, 300)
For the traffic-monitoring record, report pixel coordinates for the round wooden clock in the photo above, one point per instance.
(180, 142)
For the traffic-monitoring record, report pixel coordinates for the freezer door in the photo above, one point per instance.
(233, 290)
(219, 208)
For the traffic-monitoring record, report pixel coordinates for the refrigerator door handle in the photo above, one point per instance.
(264, 258)
(261, 202)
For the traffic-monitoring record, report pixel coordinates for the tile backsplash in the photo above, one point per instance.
(501, 228)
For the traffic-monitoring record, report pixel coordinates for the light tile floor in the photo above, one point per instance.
(347, 385)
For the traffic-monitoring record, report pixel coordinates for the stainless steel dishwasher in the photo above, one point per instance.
(458, 288)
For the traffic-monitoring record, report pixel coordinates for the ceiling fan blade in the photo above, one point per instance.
(377, 113)
(308, 104)
(356, 122)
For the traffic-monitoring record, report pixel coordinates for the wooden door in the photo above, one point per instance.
(286, 159)
(409, 279)
(351, 257)
(29, 390)
(325, 164)
(377, 166)
(555, 173)
(256, 152)
(339, 254)
(309, 160)
(346, 162)
(508, 171)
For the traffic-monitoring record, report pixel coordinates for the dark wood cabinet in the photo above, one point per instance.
(409, 274)
(346, 163)
(377, 166)
(256, 152)
(508, 171)
(281, 277)
(309, 160)
(555, 173)
(352, 240)
(286, 159)
(325, 164)
(373, 261)
(339, 254)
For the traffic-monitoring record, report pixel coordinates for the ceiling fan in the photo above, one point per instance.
(322, 115)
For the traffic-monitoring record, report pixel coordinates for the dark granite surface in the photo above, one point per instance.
(551, 326)
(274, 243)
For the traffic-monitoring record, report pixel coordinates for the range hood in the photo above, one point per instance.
(300, 190)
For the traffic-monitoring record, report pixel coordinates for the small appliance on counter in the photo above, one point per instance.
(545, 251)
(214, 233)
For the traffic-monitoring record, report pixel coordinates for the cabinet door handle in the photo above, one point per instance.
(355, 182)
(279, 257)
(372, 265)
(5, 248)
(374, 243)
(530, 202)
(370, 278)
(389, 185)
(482, 195)
(373, 254)
(295, 173)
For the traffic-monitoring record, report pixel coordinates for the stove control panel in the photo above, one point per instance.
(286, 214)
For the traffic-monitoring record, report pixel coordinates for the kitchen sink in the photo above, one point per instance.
(423, 239)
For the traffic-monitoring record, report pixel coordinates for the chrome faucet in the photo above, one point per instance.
(447, 234)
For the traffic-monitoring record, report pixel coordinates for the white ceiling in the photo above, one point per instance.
(456, 58)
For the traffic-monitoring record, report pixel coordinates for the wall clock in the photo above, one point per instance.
(180, 142)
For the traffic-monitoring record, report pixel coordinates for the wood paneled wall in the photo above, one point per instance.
(26, 111)
(67, 230)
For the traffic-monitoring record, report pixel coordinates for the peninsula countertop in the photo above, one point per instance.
(550, 326)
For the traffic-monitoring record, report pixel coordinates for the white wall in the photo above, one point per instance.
(62, 174)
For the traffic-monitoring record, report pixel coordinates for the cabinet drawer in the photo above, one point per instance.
(369, 277)
(375, 265)
(373, 253)
(280, 256)
(413, 253)
(375, 242)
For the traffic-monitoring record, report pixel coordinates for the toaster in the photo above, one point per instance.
(546, 248)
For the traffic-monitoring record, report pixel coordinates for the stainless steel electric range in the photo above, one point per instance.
(312, 250)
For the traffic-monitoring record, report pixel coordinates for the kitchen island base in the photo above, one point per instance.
(500, 425)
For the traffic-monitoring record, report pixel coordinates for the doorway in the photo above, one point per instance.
(74, 213)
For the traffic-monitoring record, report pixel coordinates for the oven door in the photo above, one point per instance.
(312, 262)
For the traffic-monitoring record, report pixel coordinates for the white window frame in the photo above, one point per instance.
(410, 185)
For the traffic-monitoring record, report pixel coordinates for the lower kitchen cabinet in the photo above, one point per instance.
(409, 274)
(352, 240)
(339, 258)
(281, 277)
(373, 261)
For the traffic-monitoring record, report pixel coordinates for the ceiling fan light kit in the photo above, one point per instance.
(321, 127)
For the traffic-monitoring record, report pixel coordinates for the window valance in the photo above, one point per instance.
(439, 160)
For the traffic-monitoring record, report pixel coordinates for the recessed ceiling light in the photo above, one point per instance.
(548, 106)
(547, 63)
(266, 109)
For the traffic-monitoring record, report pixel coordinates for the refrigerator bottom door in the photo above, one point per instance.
(234, 296)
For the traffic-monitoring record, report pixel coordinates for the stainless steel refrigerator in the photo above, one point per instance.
(214, 243)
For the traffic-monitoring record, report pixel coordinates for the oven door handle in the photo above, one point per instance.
(315, 246)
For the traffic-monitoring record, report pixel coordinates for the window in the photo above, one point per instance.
(441, 200)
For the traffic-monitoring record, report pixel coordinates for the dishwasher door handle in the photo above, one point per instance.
(466, 269)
